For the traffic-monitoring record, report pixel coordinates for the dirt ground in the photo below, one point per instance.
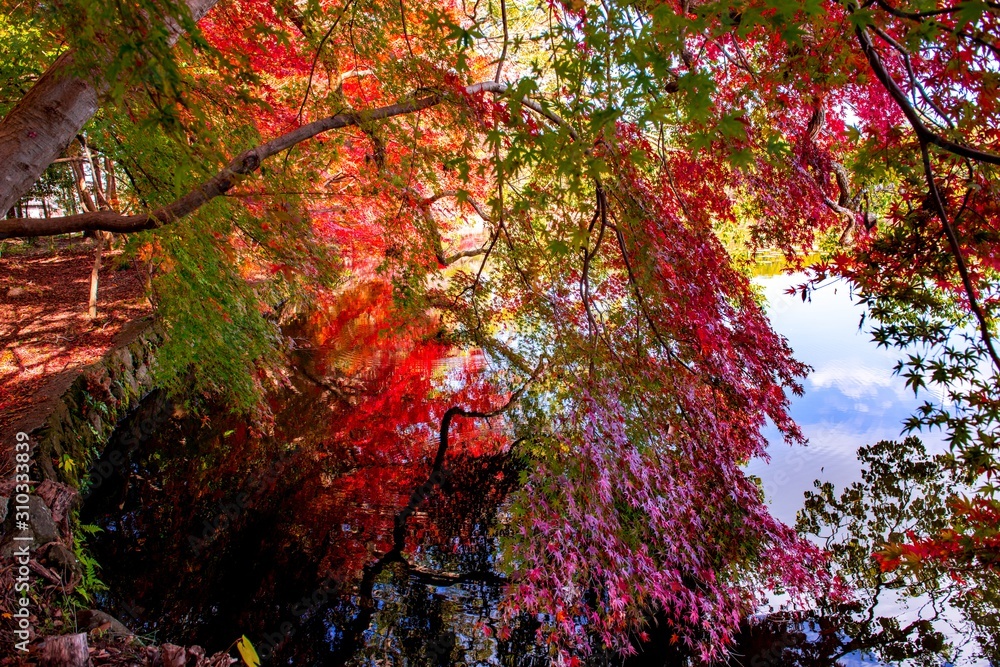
(45, 335)
(44, 328)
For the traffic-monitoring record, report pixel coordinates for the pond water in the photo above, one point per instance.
(851, 398)
(291, 535)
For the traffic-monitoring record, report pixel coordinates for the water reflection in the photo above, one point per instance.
(332, 531)
(925, 616)
(851, 397)
(876, 486)
(290, 531)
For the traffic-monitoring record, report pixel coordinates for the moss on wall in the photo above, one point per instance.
(85, 415)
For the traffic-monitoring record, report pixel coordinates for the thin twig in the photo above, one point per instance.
(506, 39)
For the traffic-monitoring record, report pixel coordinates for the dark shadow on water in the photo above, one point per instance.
(320, 551)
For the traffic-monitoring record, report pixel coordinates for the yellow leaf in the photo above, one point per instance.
(247, 652)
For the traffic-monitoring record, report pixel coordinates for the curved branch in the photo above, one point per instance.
(319, 51)
(501, 89)
(424, 206)
(438, 474)
(476, 206)
(448, 260)
(924, 134)
(914, 81)
(506, 39)
(244, 164)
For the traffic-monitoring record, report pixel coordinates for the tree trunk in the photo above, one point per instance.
(112, 186)
(65, 651)
(102, 238)
(81, 187)
(47, 119)
(95, 177)
(88, 204)
(94, 276)
(41, 126)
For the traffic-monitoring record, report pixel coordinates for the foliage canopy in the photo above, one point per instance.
(548, 178)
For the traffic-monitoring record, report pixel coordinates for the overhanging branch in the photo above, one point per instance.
(924, 133)
(244, 164)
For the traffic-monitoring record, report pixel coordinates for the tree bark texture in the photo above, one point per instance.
(47, 119)
(65, 651)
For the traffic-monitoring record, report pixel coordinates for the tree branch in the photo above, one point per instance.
(956, 251)
(244, 164)
(506, 39)
(924, 134)
(921, 17)
(424, 206)
(926, 137)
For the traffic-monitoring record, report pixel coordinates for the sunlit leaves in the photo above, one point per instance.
(579, 207)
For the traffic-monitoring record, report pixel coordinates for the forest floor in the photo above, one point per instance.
(45, 337)
(44, 327)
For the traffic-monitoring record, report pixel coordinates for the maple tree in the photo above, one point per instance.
(548, 178)
(944, 603)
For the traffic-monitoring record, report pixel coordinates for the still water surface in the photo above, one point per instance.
(852, 397)
(216, 531)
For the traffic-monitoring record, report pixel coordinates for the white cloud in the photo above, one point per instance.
(854, 379)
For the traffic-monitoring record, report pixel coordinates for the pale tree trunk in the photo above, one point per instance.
(87, 200)
(41, 126)
(101, 238)
(92, 304)
(47, 119)
(89, 206)
(95, 173)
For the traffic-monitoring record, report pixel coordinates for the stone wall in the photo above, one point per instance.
(83, 418)
(68, 430)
